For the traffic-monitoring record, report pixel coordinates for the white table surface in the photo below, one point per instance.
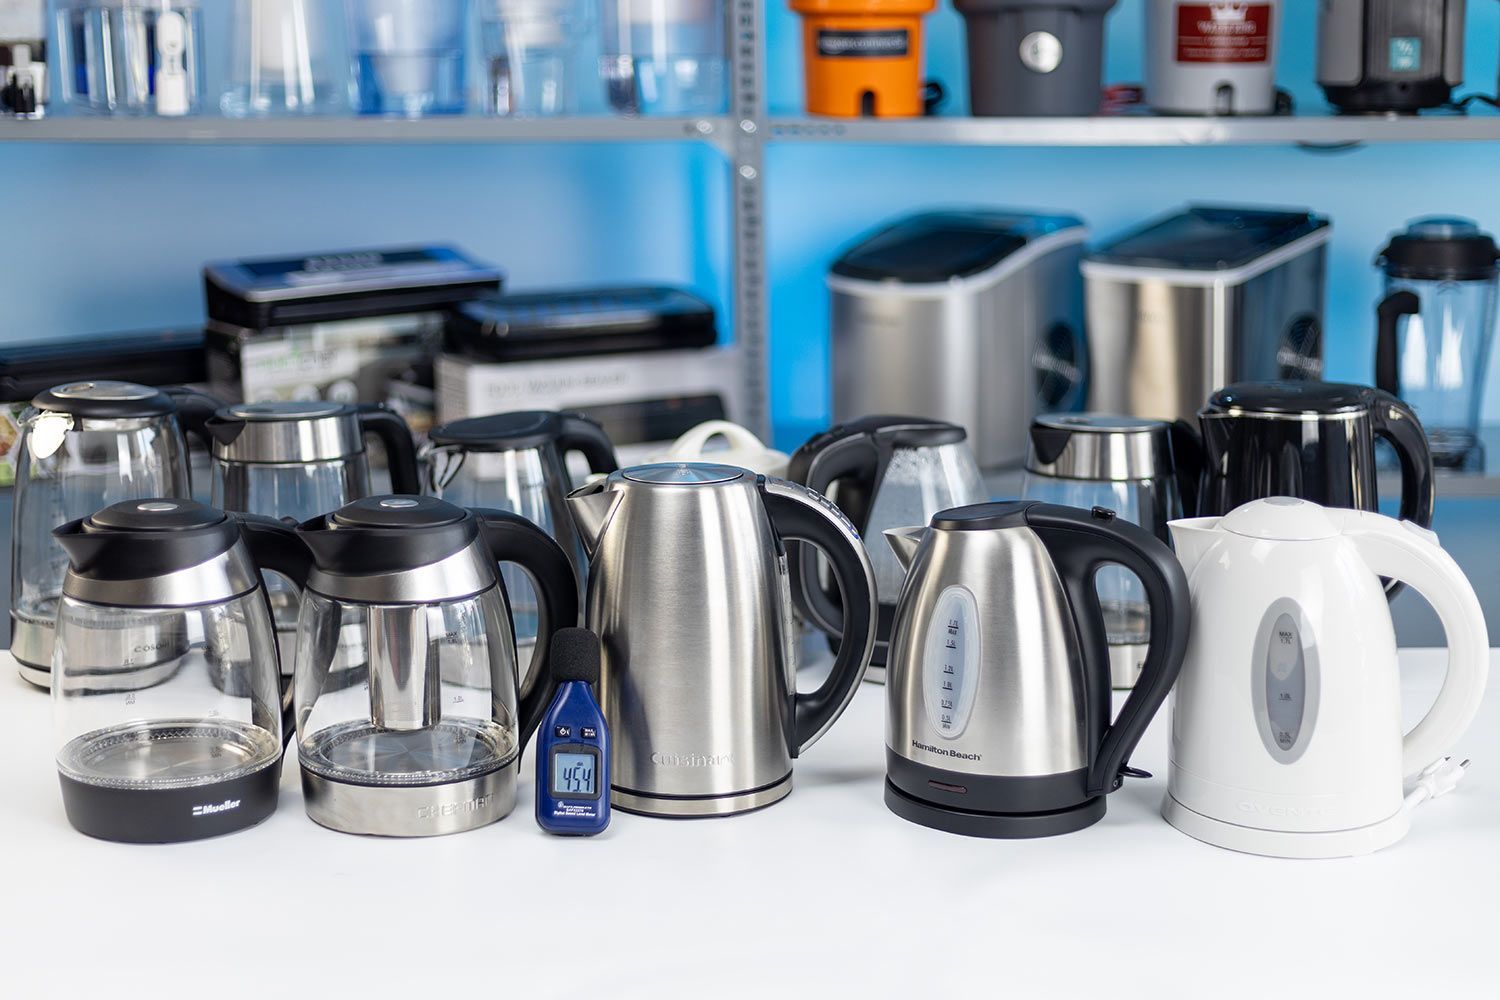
(823, 893)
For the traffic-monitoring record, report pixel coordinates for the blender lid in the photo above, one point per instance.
(939, 246)
(1441, 249)
(1210, 238)
(1100, 447)
(518, 431)
(1290, 399)
(106, 399)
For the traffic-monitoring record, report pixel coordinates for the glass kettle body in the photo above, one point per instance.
(688, 594)
(998, 684)
(1289, 608)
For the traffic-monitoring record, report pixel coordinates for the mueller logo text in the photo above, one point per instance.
(227, 805)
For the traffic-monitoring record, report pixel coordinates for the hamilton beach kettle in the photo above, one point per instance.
(1286, 722)
(998, 682)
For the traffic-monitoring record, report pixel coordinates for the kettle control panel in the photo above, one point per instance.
(1285, 682)
(950, 662)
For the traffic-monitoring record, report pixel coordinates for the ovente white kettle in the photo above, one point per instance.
(1286, 720)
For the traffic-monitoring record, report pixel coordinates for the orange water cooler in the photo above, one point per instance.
(863, 58)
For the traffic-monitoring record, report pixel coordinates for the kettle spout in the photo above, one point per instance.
(905, 542)
(591, 507)
(1191, 538)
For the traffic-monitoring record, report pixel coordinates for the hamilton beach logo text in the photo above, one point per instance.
(463, 808)
(214, 810)
(946, 752)
(692, 759)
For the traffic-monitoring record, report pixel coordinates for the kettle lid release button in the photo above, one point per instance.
(1102, 514)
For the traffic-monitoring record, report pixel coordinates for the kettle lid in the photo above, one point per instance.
(156, 516)
(896, 431)
(984, 516)
(397, 512)
(1441, 249)
(280, 411)
(1285, 519)
(106, 399)
(1099, 447)
(1290, 399)
(383, 540)
(682, 474)
(518, 431)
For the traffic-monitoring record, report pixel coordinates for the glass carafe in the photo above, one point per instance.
(407, 56)
(1436, 324)
(530, 50)
(429, 744)
(167, 699)
(665, 57)
(281, 62)
(83, 446)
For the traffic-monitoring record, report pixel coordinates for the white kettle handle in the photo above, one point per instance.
(1408, 553)
(690, 445)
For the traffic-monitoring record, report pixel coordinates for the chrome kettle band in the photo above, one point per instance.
(294, 441)
(463, 574)
(223, 577)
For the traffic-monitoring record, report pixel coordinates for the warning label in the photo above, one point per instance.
(1228, 32)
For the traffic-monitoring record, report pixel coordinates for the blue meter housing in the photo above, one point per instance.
(572, 764)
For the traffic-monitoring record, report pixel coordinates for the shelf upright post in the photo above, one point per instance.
(747, 159)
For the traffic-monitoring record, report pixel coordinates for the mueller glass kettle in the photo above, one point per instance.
(882, 472)
(1143, 470)
(431, 744)
(1436, 323)
(998, 696)
(298, 460)
(688, 594)
(1286, 723)
(518, 462)
(83, 446)
(167, 696)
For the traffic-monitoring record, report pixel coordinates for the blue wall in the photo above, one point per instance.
(97, 238)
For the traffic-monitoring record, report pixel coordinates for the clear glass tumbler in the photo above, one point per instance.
(407, 56)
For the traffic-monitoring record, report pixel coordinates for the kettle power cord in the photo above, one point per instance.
(1436, 779)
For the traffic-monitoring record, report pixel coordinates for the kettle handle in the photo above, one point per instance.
(856, 460)
(512, 538)
(584, 436)
(1387, 346)
(1188, 461)
(1411, 554)
(1398, 424)
(689, 447)
(799, 513)
(1080, 544)
(195, 410)
(400, 450)
(275, 546)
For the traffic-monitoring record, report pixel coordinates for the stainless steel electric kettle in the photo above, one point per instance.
(998, 698)
(688, 593)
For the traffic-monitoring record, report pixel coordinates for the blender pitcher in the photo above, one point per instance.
(665, 57)
(1435, 324)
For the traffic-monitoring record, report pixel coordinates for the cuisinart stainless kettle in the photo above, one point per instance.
(688, 593)
(1286, 723)
(998, 682)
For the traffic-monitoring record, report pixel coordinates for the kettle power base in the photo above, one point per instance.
(410, 810)
(172, 815)
(1309, 846)
(698, 807)
(998, 826)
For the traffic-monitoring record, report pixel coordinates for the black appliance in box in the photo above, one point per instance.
(575, 322)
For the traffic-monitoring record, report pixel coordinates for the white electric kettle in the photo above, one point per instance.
(1286, 720)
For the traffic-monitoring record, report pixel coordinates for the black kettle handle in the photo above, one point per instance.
(512, 538)
(1398, 424)
(799, 513)
(274, 546)
(1081, 543)
(855, 460)
(400, 450)
(1387, 346)
(582, 435)
(194, 411)
(1187, 459)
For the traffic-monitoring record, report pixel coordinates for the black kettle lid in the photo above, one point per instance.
(1441, 249)
(516, 431)
(106, 399)
(387, 534)
(143, 539)
(1290, 398)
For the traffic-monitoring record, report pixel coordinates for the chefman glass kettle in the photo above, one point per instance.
(431, 744)
(882, 472)
(998, 686)
(688, 594)
(167, 698)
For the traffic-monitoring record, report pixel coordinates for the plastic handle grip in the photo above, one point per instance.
(275, 546)
(1398, 424)
(690, 445)
(1394, 550)
(1387, 346)
(582, 435)
(853, 462)
(400, 449)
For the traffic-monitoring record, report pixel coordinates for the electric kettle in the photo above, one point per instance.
(84, 446)
(1146, 471)
(1435, 328)
(882, 472)
(998, 695)
(1286, 723)
(432, 744)
(167, 697)
(298, 460)
(688, 593)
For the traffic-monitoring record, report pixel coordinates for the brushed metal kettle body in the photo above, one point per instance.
(688, 592)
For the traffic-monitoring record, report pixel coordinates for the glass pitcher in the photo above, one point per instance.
(1436, 324)
(530, 50)
(83, 446)
(407, 56)
(665, 57)
(281, 60)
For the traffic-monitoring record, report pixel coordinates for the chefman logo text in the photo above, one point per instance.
(947, 752)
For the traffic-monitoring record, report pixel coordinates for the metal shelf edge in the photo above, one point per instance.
(355, 130)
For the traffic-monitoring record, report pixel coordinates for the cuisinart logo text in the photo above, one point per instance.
(1286, 812)
(691, 759)
(463, 808)
(946, 752)
(214, 810)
